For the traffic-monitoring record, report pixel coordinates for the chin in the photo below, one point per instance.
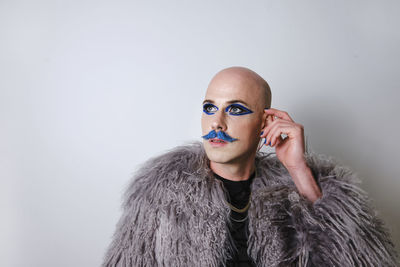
(228, 154)
(220, 156)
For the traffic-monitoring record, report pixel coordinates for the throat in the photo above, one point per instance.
(233, 172)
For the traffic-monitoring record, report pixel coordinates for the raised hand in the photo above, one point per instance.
(290, 150)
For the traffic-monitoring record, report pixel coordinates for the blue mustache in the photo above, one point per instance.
(220, 135)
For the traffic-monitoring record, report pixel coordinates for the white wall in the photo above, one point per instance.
(91, 89)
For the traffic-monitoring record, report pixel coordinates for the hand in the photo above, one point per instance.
(290, 151)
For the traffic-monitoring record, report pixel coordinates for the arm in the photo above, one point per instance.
(291, 150)
(305, 182)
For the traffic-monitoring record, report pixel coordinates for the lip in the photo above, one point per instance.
(217, 144)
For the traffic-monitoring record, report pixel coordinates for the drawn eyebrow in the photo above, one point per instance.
(229, 102)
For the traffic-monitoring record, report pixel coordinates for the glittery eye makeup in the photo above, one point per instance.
(237, 110)
(209, 109)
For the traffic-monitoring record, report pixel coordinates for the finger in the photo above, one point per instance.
(277, 138)
(269, 121)
(267, 129)
(278, 113)
(277, 126)
(263, 143)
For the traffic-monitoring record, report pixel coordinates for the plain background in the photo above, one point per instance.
(91, 89)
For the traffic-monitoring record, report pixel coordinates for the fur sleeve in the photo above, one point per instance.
(133, 242)
(339, 229)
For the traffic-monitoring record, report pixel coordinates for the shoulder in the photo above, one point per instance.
(184, 158)
(343, 205)
(324, 168)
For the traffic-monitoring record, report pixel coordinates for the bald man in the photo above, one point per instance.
(223, 203)
(244, 90)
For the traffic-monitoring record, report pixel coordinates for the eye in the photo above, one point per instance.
(237, 109)
(209, 109)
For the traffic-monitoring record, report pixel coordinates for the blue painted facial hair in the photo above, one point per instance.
(220, 135)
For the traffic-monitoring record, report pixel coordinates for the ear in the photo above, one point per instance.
(264, 119)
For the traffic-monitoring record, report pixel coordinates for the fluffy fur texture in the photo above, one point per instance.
(174, 215)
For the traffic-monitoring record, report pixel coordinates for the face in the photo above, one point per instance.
(232, 119)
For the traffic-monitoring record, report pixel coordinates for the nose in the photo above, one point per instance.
(218, 122)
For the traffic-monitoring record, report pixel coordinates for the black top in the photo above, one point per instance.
(238, 196)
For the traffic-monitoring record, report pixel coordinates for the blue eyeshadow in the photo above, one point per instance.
(246, 110)
(209, 105)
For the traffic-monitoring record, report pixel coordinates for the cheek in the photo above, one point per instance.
(245, 128)
(244, 124)
(205, 122)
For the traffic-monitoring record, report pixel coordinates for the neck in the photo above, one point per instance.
(238, 171)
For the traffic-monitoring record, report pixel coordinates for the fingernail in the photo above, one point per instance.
(262, 133)
(269, 144)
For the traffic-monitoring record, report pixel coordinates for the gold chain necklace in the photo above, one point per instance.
(248, 203)
(242, 220)
(239, 210)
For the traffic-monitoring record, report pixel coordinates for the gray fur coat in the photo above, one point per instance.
(174, 215)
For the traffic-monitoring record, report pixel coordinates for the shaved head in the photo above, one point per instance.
(234, 105)
(248, 80)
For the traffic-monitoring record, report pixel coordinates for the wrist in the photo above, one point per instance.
(298, 168)
(305, 182)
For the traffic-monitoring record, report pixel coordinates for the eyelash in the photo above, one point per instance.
(243, 109)
(205, 106)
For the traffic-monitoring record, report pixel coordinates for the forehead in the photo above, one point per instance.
(224, 89)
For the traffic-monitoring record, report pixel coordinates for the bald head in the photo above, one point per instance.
(247, 80)
(235, 104)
